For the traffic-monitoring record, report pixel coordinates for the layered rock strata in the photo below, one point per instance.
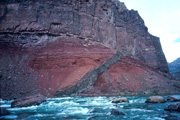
(109, 22)
(52, 45)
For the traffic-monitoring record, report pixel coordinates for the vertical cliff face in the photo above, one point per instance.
(50, 45)
(105, 21)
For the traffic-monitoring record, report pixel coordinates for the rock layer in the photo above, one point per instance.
(122, 75)
(104, 21)
(50, 68)
(53, 45)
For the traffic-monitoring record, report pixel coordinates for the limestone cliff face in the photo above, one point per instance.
(51, 45)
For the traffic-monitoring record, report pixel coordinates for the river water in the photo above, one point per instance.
(93, 108)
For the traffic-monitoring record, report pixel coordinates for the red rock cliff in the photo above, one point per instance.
(50, 45)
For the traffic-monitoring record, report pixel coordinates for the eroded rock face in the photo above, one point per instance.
(50, 68)
(104, 21)
(49, 46)
(122, 75)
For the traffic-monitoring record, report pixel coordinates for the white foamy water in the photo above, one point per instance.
(92, 108)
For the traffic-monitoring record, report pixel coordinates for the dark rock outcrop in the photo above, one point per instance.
(173, 107)
(116, 112)
(4, 111)
(22, 116)
(174, 68)
(155, 99)
(98, 117)
(55, 45)
(28, 101)
(172, 99)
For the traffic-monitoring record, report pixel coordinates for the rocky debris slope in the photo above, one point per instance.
(174, 68)
(50, 45)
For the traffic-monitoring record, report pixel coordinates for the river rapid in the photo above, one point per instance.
(92, 108)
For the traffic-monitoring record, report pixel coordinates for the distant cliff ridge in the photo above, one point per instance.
(53, 45)
(174, 68)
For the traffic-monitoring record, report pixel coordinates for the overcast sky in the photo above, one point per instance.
(162, 17)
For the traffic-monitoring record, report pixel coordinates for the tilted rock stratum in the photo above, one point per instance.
(78, 47)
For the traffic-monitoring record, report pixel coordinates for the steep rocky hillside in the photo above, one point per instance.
(64, 47)
(174, 68)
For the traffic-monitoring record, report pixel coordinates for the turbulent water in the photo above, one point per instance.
(92, 108)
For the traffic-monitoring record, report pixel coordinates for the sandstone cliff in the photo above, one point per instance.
(53, 45)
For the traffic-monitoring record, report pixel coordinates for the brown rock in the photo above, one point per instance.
(172, 99)
(173, 107)
(28, 101)
(155, 99)
(119, 100)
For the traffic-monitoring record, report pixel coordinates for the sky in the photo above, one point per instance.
(162, 17)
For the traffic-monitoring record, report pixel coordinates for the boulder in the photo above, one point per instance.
(119, 100)
(98, 117)
(22, 116)
(4, 111)
(173, 107)
(28, 101)
(116, 112)
(155, 99)
(112, 98)
(172, 99)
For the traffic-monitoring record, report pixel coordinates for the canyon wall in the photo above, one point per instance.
(50, 45)
(174, 68)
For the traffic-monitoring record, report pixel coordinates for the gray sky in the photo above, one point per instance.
(162, 17)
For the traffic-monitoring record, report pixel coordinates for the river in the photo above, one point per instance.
(92, 108)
